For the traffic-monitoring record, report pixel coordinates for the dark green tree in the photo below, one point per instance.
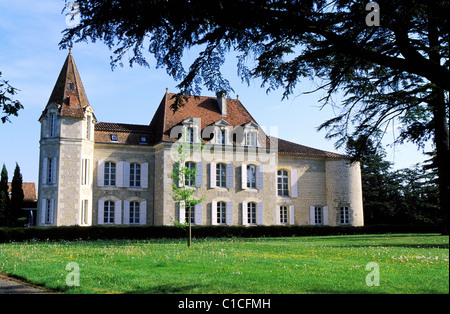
(4, 197)
(17, 196)
(8, 105)
(398, 70)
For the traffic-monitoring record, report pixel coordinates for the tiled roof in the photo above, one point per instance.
(126, 133)
(29, 191)
(199, 107)
(68, 92)
(290, 148)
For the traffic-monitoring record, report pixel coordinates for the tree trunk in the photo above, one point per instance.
(441, 140)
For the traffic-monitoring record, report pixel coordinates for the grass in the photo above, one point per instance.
(334, 264)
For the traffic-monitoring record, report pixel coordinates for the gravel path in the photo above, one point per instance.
(13, 286)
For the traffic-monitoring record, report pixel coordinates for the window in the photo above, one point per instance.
(143, 139)
(84, 171)
(48, 211)
(251, 177)
(283, 187)
(134, 213)
(108, 212)
(190, 178)
(135, 175)
(110, 174)
(190, 135)
(88, 127)
(221, 175)
(283, 214)
(221, 213)
(318, 216)
(190, 209)
(84, 212)
(251, 213)
(71, 86)
(221, 137)
(52, 124)
(50, 170)
(250, 138)
(344, 217)
(114, 138)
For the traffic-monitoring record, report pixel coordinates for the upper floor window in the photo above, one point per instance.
(190, 177)
(135, 175)
(88, 127)
(221, 175)
(110, 174)
(282, 183)
(250, 138)
(190, 135)
(251, 177)
(52, 124)
(221, 136)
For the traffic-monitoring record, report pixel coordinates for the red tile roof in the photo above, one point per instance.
(290, 148)
(29, 191)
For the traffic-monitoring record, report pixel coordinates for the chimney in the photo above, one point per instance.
(222, 101)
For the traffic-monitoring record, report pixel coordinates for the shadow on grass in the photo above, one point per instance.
(168, 289)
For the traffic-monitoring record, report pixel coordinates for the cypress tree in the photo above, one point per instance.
(4, 199)
(17, 196)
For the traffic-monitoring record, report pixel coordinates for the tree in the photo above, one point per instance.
(182, 191)
(17, 196)
(8, 105)
(398, 71)
(4, 197)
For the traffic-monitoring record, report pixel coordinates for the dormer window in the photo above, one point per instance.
(52, 124)
(143, 139)
(250, 134)
(114, 138)
(221, 137)
(221, 132)
(250, 139)
(71, 86)
(190, 130)
(190, 135)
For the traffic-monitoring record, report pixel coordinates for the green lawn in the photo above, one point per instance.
(335, 264)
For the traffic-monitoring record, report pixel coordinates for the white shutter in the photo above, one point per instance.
(126, 174)
(230, 176)
(126, 212)
(101, 212)
(326, 220)
(212, 175)
(100, 174)
(44, 171)
(244, 176)
(144, 175)
(259, 177)
(259, 213)
(180, 174)
(213, 213)
(312, 219)
(294, 186)
(198, 214)
(181, 212)
(199, 173)
(277, 215)
(119, 175)
(244, 214)
(52, 210)
(229, 218)
(291, 215)
(143, 213)
(118, 212)
(43, 210)
(89, 212)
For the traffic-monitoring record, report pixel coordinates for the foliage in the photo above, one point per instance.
(408, 264)
(17, 196)
(8, 106)
(4, 197)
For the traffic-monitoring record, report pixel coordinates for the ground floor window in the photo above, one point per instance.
(221, 213)
(344, 217)
(191, 209)
(134, 213)
(251, 213)
(318, 216)
(108, 212)
(283, 214)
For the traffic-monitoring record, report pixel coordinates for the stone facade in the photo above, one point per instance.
(107, 173)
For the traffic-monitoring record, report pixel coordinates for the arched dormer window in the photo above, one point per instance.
(250, 137)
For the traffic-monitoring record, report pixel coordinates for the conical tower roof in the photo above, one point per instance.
(68, 92)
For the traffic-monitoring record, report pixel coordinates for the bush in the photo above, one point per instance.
(98, 232)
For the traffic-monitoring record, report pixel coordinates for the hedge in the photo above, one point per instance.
(73, 233)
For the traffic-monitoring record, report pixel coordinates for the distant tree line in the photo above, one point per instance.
(11, 202)
(397, 197)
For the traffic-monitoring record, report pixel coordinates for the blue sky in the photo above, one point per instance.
(30, 60)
